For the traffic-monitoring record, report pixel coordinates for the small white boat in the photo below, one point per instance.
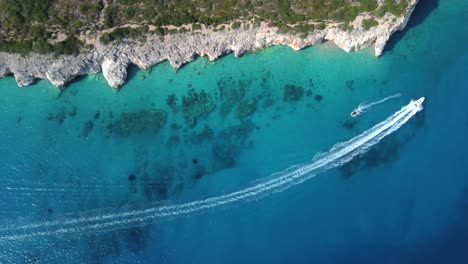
(356, 112)
(419, 101)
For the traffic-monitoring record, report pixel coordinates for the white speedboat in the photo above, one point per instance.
(419, 101)
(356, 112)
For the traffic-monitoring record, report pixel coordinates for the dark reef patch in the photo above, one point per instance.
(157, 186)
(293, 93)
(59, 117)
(308, 92)
(136, 237)
(349, 84)
(175, 126)
(62, 113)
(246, 108)
(268, 102)
(173, 141)
(350, 123)
(318, 97)
(88, 127)
(19, 119)
(205, 135)
(171, 101)
(73, 111)
(230, 93)
(196, 105)
(97, 115)
(228, 143)
(199, 172)
(102, 245)
(146, 122)
(131, 177)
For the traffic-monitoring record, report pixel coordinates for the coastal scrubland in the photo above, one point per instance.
(63, 26)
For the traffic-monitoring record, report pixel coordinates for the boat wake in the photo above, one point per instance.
(363, 107)
(96, 221)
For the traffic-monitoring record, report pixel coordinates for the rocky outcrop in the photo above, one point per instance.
(181, 48)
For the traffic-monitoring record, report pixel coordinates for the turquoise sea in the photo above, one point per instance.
(82, 170)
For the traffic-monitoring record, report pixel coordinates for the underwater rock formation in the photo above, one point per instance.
(349, 84)
(318, 97)
(229, 142)
(136, 237)
(350, 123)
(205, 135)
(62, 114)
(268, 102)
(293, 93)
(171, 101)
(157, 186)
(88, 127)
(196, 105)
(231, 94)
(246, 108)
(146, 122)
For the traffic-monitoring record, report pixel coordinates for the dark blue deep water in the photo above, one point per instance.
(84, 172)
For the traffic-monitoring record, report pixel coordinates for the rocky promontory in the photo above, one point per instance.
(180, 48)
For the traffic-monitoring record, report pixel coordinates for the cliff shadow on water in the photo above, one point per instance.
(421, 12)
(134, 71)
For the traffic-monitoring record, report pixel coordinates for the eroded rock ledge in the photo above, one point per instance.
(181, 48)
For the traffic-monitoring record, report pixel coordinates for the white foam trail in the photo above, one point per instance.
(365, 107)
(339, 154)
(29, 189)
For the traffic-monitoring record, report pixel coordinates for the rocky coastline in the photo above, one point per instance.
(114, 59)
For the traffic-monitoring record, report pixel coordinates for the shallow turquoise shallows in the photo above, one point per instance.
(84, 172)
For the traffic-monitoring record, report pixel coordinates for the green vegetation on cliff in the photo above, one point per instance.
(368, 23)
(55, 26)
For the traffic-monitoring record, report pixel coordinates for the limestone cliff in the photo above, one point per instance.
(181, 48)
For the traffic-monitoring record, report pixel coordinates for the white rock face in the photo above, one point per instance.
(181, 48)
(114, 72)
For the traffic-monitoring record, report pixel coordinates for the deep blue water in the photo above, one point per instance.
(90, 151)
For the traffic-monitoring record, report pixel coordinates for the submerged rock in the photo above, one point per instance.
(269, 101)
(350, 124)
(196, 105)
(147, 122)
(173, 141)
(293, 93)
(246, 108)
(88, 127)
(136, 238)
(171, 101)
(230, 142)
(132, 177)
(205, 135)
(59, 117)
(97, 115)
(349, 84)
(157, 187)
(230, 95)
